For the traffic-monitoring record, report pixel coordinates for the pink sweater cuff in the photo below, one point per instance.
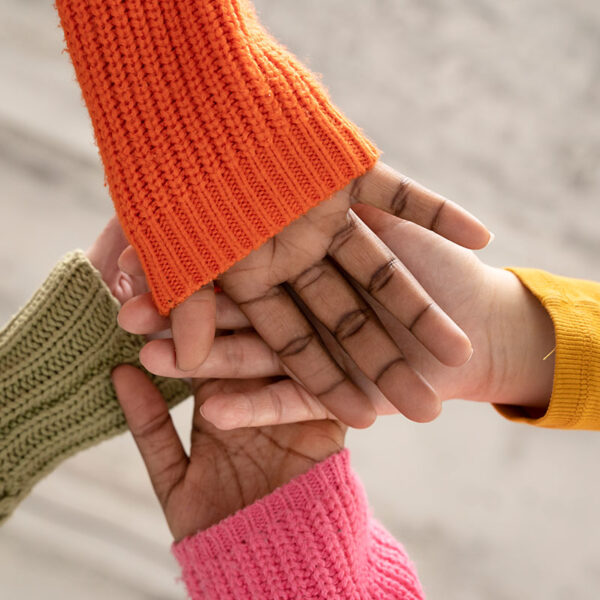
(311, 538)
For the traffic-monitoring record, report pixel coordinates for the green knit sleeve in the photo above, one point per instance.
(56, 356)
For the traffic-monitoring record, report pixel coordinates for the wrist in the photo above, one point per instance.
(522, 341)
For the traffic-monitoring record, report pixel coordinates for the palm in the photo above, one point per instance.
(500, 317)
(225, 470)
(229, 470)
(300, 245)
(318, 266)
(312, 260)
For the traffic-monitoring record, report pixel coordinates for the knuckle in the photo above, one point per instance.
(351, 323)
(296, 346)
(382, 276)
(331, 388)
(276, 406)
(435, 221)
(343, 235)
(235, 357)
(309, 276)
(388, 367)
(272, 292)
(419, 315)
(149, 429)
(401, 195)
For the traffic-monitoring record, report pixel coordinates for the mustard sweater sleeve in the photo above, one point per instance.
(56, 396)
(213, 136)
(574, 306)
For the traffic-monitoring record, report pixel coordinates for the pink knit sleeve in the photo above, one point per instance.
(312, 538)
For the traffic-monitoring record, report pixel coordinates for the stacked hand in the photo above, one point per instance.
(281, 428)
(225, 470)
(510, 331)
(327, 264)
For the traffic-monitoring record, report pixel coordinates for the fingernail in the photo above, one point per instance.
(492, 238)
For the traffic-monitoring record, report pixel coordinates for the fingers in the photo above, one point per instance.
(277, 403)
(193, 324)
(277, 319)
(336, 304)
(140, 315)
(105, 251)
(239, 356)
(394, 193)
(129, 263)
(148, 419)
(363, 256)
(286, 401)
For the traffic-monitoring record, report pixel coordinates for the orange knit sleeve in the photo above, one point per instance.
(213, 136)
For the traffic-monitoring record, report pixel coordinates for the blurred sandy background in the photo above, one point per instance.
(496, 105)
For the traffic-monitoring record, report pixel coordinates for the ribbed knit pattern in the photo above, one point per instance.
(213, 136)
(56, 356)
(574, 306)
(312, 538)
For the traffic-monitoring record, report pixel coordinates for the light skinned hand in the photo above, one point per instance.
(104, 255)
(510, 331)
(312, 260)
(225, 470)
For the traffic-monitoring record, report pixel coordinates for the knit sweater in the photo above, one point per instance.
(56, 356)
(213, 136)
(574, 306)
(311, 538)
(314, 538)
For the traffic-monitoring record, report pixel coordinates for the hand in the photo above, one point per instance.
(311, 260)
(104, 254)
(225, 471)
(510, 331)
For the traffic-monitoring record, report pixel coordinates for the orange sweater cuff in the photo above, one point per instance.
(213, 136)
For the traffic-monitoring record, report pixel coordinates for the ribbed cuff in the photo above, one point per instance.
(574, 307)
(311, 538)
(56, 396)
(213, 136)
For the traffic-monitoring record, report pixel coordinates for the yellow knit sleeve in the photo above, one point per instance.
(574, 306)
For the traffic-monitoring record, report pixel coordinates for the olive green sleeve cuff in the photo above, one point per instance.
(574, 307)
(56, 357)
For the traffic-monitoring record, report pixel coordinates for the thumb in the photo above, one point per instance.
(150, 423)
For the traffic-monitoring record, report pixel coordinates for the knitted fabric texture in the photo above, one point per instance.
(56, 356)
(213, 136)
(312, 538)
(574, 306)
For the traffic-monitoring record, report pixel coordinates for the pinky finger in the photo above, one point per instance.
(285, 401)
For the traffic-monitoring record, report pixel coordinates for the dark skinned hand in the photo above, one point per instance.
(312, 261)
(225, 470)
